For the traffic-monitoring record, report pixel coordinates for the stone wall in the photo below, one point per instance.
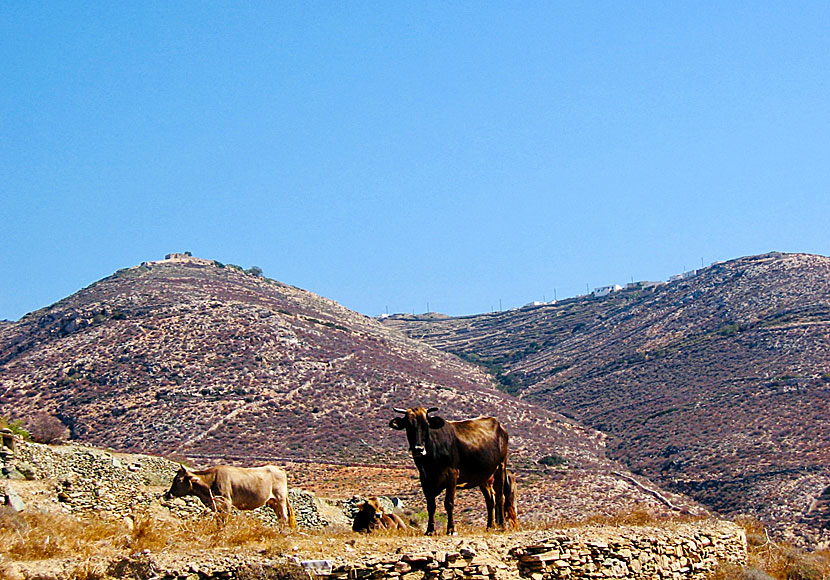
(671, 552)
(87, 479)
(682, 551)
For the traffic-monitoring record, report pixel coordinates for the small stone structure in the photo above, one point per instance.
(7, 444)
(683, 551)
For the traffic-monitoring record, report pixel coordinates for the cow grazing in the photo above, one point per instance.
(456, 454)
(245, 488)
(372, 517)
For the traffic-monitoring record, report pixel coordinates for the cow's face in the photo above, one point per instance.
(182, 484)
(417, 422)
(371, 508)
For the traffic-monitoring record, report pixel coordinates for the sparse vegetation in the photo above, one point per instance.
(16, 426)
(771, 560)
(38, 535)
(45, 428)
(552, 460)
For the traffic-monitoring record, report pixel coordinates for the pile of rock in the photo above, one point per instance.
(218, 565)
(464, 564)
(688, 551)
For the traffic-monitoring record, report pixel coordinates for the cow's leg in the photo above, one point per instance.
(449, 500)
(490, 502)
(498, 492)
(223, 504)
(449, 504)
(430, 513)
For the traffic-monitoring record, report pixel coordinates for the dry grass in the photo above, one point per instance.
(768, 559)
(38, 536)
(633, 516)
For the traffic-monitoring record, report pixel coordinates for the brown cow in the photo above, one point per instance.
(372, 517)
(245, 488)
(456, 454)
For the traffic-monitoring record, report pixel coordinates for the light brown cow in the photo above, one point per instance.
(245, 488)
(372, 517)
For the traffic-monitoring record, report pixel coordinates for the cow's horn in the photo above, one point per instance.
(399, 410)
(431, 409)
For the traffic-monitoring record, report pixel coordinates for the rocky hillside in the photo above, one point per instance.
(715, 385)
(190, 358)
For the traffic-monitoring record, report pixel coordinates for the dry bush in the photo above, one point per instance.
(38, 535)
(726, 571)
(756, 534)
(149, 533)
(88, 571)
(240, 530)
(212, 531)
(768, 559)
(788, 563)
(45, 428)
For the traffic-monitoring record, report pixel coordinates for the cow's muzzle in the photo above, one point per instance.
(418, 451)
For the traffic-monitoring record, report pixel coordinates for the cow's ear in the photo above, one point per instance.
(397, 423)
(436, 422)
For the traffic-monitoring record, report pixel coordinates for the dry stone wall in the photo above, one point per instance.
(683, 551)
(669, 552)
(88, 479)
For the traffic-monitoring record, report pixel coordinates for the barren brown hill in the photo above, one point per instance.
(191, 358)
(716, 385)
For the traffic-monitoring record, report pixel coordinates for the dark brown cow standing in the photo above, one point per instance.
(244, 488)
(454, 455)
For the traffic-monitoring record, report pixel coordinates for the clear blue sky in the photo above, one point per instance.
(393, 154)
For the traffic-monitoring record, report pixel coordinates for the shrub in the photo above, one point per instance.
(552, 460)
(15, 427)
(48, 429)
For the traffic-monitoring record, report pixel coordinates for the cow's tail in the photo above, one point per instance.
(292, 519)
